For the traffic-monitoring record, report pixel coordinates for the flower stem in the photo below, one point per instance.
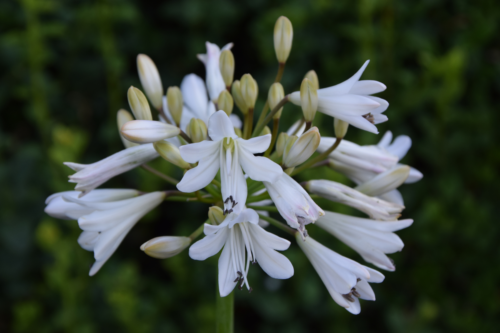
(185, 137)
(224, 312)
(276, 125)
(278, 224)
(318, 158)
(278, 106)
(247, 127)
(265, 208)
(169, 179)
(198, 231)
(281, 69)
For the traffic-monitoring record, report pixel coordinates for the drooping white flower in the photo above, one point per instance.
(59, 208)
(230, 154)
(374, 207)
(244, 242)
(214, 80)
(294, 203)
(345, 279)
(90, 176)
(351, 101)
(371, 239)
(109, 222)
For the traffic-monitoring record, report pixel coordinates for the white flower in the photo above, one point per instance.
(165, 246)
(370, 238)
(374, 207)
(230, 154)
(59, 208)
(109, 222)
(384, 184)
(351, 102)
(345, 279)
(148, 131)
(294, 203)
(244, 242)
(90, 176)
(215, 83)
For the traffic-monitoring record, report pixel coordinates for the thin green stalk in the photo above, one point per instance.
(276, 125)
(278, 106)
(279, 75)
(186, 137)
(198, 231)
(318, 158)
(169, 179)
(278, 224)
(224, 312)
(265, 208)
(247, 127)
(257, 198)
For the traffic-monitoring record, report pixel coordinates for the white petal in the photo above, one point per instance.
(367, 87)
(354, 307)
(200, 176)
(219, 126)
(414, 176)
(273, 263)
(235, 120)
(195, 152)
(386, 140)
(208, 246)
(400, 146)
(344, 87)
(88, 239)
(269, 239)
(259, 168)
(393, 196)
(194, 94)
(227, 272)
(147, 131)
(256, 145)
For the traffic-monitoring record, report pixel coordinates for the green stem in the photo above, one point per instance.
(198, 231)
(278, 106)
(318, 158)
(278, 224)
(276, 125)
(247, 127)
(169, 179)
(224, 313)
(265, 208)
(186, 137)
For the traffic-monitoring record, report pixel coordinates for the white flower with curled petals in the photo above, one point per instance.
(371, 239)
(244, 242)
(230, 154)
(214, 80)
(105, 227)
(90, 176)
(345, 279)
(351, 101)
(293, 203)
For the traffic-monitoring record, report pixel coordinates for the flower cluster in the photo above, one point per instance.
(243, 170)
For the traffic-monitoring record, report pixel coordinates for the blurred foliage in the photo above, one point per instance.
(65, 67)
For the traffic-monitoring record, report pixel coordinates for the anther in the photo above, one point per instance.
(349, 297)
(355, 293)
(369, 117)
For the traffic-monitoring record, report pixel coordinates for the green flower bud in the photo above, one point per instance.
(139, 104)
(238, 97)
(340, 128)
(280, 143)
(308, 99)
(175, 103)
(225, 102)
(313, 77)
(197, 130)
(216, 215)
(165, 247)
(171, 153)
(276, 94)
(283, 36)
(122, 117)
(150, 80)
(226, 65)
(288, 145)
(249, 90)
(303, 148)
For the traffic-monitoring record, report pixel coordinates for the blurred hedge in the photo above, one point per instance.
(65, 67)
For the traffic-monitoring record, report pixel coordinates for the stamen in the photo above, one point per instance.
(355, 293)
(369, 117)
(349, 297)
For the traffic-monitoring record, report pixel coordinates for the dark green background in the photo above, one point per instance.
(64, 70)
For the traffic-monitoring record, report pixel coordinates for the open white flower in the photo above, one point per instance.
(109, 222)
(230, 154)
(215, 83)
(90, 176)
(374, 207)
(244, 242)
(370, 238)
(294, 203)
(345, 279)
(351, 102)
(59, 208)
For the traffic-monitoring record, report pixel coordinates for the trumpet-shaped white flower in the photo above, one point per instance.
(345, 279)
(294, 203)
(351, 102)
(215, 82)
(370, 238)
(59, 208)
(90, 176)
(109, 222)
(230, 154)
(244, 242)
(374, 207)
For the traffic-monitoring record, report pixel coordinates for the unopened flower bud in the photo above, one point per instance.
(150, 80)
(340, 128)
(238, 97)
(288, 145)
(171, 153)
(385, 181)
(175, 103)
(249, 90)
(147, 131)
(276, 94)
(197, 130)
(166, 246)
(313, 77)
(303, 148)
(122, 117)
(280, 143)
(266, 130)
(308, 99)
(139, 104)
(226, 65)
(283, 36)
(225, 102)
(216, 215)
